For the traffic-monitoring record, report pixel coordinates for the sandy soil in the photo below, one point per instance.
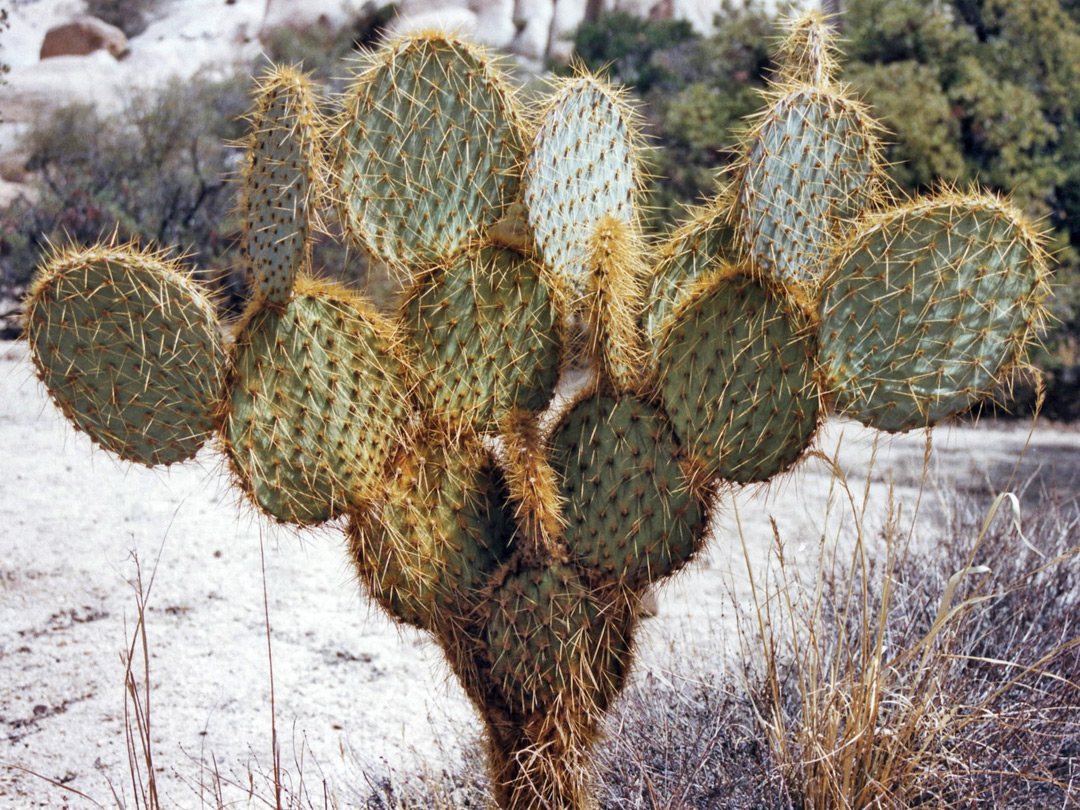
(351, 689)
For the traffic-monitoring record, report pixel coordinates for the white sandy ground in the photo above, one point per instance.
(350, 687)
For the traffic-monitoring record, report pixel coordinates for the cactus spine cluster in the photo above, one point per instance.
(518, 529)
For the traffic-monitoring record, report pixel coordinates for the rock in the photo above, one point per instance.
(569, 14)
(488, 22)
(533, 19)
(300, 15)
(495, 22)
(451, 19)
(414, 8)
(20, 43)
(83, 36)
(664, 10)
(10, 192)
(13, 167)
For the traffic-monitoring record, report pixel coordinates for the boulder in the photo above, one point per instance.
(300, 15)
(488, 22)
(414, 8)
(13, 167)
(13, 192)
(451, 19)
(569, 14)
(533, 19)
(494, 22)
(83, 36)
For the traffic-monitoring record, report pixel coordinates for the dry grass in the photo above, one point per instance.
(277, 787)
(948, 678)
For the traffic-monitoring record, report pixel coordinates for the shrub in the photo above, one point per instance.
(157, 174)
(633, 51)
(130, 16)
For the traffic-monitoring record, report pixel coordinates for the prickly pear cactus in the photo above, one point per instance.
(519, 527)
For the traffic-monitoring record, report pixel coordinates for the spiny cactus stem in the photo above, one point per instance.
(615, 293)
(533, 487)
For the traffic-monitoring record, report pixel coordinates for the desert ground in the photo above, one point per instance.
(352, 692)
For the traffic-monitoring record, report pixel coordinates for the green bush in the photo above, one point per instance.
(157, 174)
(322, 50)
(130, 16)
(633, 51)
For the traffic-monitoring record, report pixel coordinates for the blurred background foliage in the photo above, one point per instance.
(971, 91)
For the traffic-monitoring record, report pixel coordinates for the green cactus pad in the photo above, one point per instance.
(811, 163)
(930, 305)
(552, 645)
(737, 376)
(128, 348)
(317, 404)
(430, 149)
(630, 514)
(582, 167)
(441, 526)
(280, 183)
(699, 246)
(808, 53)
(484, 338)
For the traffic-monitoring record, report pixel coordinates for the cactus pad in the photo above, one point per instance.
(280, 183)
(808, 53)
(484, 338)
(129, 350)
(930, 305)
(696, 248)
(615, 299)
(552, 646)
(430, 148)
(630, 514)
(435, 534)
(317, 404)
(582, 167)
(811, 162)
(737, 376)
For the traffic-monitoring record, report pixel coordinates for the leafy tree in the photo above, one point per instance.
(633, 51)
